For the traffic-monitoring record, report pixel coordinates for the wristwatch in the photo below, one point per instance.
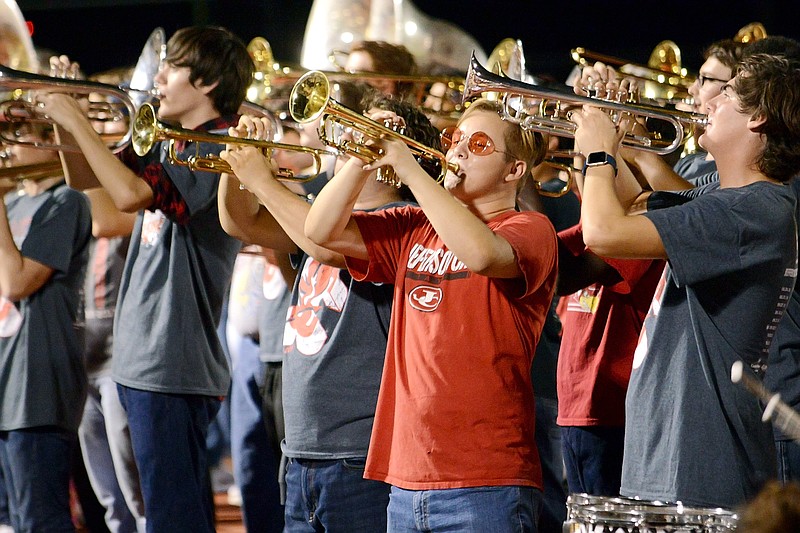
(595, 159)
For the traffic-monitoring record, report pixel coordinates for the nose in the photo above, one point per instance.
(712, 104)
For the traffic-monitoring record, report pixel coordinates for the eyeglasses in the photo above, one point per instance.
(703, 79)
(479, 143)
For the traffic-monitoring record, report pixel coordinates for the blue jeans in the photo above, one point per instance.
(505, 509)
(593, 457)
(108, 456)
(333, 496)
(788, 460)
(255, 441)
(36, 468)
(168, 432)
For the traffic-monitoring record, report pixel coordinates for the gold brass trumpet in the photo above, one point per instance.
(148, 130)
(19, 111)
(545, 109)
(311, 99)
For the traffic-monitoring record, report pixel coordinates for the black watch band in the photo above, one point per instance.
(596, 159)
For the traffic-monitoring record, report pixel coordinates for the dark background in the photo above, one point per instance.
(102, 35)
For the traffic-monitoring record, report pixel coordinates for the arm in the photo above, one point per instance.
(607, 228)
(577, 272)
(107, 220)
(659, 175)
(464, 233)
(278, 221)
(128, 192)
(19, 276)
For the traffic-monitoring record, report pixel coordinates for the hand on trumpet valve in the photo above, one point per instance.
(62, 67)
(595, 132)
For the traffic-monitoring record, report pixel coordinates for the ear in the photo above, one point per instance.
(517, 170)
(755, 123)
(205, 89)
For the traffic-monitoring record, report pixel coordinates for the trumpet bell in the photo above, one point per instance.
(755, 31)
(148, 130)
(310, 100)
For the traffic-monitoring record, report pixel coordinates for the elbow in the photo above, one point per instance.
(316, 234)
(599, 238)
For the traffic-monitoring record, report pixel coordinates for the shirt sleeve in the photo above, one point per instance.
(533, 239)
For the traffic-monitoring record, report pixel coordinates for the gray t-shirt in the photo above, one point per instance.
(42, 382)
(170, 300)
(334, 344)
(106, 261)
(692, 435)
(272, 314)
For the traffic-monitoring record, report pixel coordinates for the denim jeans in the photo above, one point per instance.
(36, 468)
(593, 457)
(255, 442)
(505, 509)
(108, 456)
(334, 497)
(788, 460)
(168, 432)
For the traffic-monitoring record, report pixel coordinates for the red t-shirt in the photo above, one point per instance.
(456, 405)
(601, 327)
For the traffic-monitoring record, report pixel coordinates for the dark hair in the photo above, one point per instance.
(767, 87)
(390, 58)
(522, 144)
(726, 51)
(214, 55)
(417, 126)
(775, 45)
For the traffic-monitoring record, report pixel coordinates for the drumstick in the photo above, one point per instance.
(781, 414)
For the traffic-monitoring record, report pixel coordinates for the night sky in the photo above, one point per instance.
(111, 34)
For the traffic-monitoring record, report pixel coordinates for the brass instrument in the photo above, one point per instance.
(20, 111)
(34, 171)
(543, 108)
(148, 130)
(311, 99)
(749, 33)
(271, 81)
(664, 78)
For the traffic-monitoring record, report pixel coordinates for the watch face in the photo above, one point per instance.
(597, 158)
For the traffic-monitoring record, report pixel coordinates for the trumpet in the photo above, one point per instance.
(147, 130)
(19, 111)
(310, 99)
(34, 171)
(542, 108)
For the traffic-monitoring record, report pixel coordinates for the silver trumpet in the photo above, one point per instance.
(545, 109)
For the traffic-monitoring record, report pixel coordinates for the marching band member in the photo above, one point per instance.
(44, 245)
(168, 361)
(454, 426)
(726, 260)
(334, 344)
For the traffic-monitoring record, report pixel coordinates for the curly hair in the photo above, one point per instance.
(417, 126)
(766, 86)
(214, 55)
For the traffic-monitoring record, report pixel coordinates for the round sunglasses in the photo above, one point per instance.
(479, 143)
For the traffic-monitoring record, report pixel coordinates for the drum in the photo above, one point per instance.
(599, 514)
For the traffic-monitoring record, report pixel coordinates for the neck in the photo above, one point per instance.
(198, 116)
(33, 188)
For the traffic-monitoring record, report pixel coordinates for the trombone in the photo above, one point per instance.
(33, 171)
(147, 130)
(310, 99)
(270, 78)
(17, 111)
(542, 108)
